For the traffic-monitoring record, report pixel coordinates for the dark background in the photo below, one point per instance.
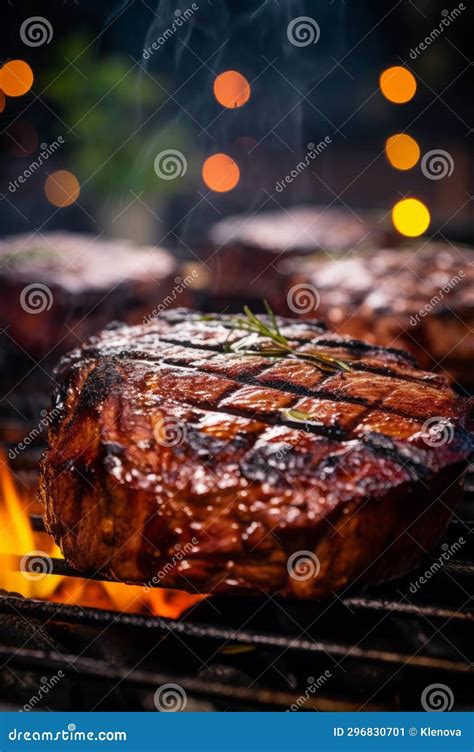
(89, 88)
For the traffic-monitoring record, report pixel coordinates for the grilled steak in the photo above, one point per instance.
(419, 299)
(246, 249)
(175, 461)
(57, 290)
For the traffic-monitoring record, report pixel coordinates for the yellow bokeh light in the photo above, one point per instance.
(410, 217)
(231, 89)
(398, 84)
(402, 151)
(62, 188)
(16, 78)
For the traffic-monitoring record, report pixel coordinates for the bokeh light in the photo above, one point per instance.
(16, 78)
(410, 217)
(402, 151)
(398, 84)
(220, 173)
(2, 101)
(231, 89)
(62, 188)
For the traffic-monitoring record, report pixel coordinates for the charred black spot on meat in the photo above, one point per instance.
(257, 473)
(358, 346)
(100, 383)
(411, 458)
(274, 463)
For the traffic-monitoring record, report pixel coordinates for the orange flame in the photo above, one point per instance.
(17, 539)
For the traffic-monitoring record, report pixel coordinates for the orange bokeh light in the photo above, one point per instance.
(398, 84)
(402, 151)
(2, 101)
(16, 78)
(220, 173)
(62, 188)
(231, 89)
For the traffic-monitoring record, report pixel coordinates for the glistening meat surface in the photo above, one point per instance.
(177, 462)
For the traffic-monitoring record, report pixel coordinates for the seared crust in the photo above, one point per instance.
(421, 299)
(177, 463)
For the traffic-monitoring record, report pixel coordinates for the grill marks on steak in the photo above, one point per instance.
(246, 481)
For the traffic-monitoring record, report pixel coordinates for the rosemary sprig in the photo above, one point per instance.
(256, 328)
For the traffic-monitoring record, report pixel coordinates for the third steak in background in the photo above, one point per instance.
(245, 251)
(419, 298)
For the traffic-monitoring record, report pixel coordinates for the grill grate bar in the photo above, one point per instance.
(55, 566)
(103, 671)
(81, 615)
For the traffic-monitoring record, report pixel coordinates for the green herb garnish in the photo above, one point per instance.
(280, 347)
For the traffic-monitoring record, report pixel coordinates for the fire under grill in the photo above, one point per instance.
(381, 649)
